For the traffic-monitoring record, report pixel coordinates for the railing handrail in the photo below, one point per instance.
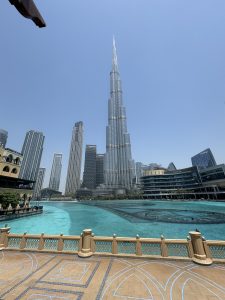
(215, 242)
(122, 246)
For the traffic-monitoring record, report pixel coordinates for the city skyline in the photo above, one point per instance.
(172, 77)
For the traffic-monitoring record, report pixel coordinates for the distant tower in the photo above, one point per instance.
(89, 177)
(204, 159)
(54, 181)
(32, 152)
(74, 165)
(99, 169)
(39, 183)
(171, 167)
(139, 171)
(3, 137)
(118, 160)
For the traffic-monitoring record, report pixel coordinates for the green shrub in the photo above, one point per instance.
(9, 198)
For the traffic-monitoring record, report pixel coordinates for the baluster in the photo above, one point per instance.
(114, 245)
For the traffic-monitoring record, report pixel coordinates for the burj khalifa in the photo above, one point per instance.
(118, 165)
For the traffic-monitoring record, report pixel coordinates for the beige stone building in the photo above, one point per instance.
(155, 171)
(10, 162)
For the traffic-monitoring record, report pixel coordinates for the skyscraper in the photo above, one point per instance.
(204, 159)
(32, 152)
(118, 160)
(89, 177)
(74, 165)
(99, 169)
(3, 137)
(54, 181)
(139, 171)
(39, 183)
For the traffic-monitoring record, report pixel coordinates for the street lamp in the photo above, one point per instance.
(28, 9)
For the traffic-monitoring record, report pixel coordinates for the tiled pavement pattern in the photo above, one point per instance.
(26, 275)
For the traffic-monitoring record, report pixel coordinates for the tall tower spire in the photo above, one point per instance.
(118, 166)
(114, 58)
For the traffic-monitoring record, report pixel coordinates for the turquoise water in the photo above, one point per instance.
(173, 219)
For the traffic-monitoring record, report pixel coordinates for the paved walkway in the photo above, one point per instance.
(26, 275)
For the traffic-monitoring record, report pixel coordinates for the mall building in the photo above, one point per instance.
(188, 183)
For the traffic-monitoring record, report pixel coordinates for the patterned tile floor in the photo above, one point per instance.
(26, 275)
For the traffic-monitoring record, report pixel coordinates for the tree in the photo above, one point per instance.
(7, 198)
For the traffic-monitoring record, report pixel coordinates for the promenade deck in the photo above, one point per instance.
(33, 275)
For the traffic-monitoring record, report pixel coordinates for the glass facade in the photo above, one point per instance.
(204, 159)
(89, 177)
(214, 173)
(32, 153)
(176, 180)
(171, 167)
(189, 183)
(54, 181)
(75, 158)
(99, 169)
(39, 183)
(118, 165)
(3, 137)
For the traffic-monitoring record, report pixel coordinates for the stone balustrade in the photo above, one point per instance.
(195, 247)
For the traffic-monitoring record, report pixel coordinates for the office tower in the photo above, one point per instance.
(99, 169)
(3, 137)
(75, 158)
(171, 167)
(54, 181)
(204, 159)
(118, 160)
(39, 183)
(89, 176)
(139, 172)
(32, 152)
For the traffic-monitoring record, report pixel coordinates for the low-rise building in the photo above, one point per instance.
(214, 176)
(10, 162)
(155, 171)
(188, 183)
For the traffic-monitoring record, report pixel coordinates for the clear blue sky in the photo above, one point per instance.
(172, 63)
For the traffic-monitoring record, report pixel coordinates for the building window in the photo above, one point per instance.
(14, 171)
(9, 158)
(17, 161)
(6, 169)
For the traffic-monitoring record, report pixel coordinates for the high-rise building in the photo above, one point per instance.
(139, 171)
(118, 166)
(3, 137)
(99, 169)
(39, 183)
(204, 159)
(32, 152)
(54, 181)
(75, 158)
(89, 176)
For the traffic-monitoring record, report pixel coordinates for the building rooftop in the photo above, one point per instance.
(33, 275)
(13, 151)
